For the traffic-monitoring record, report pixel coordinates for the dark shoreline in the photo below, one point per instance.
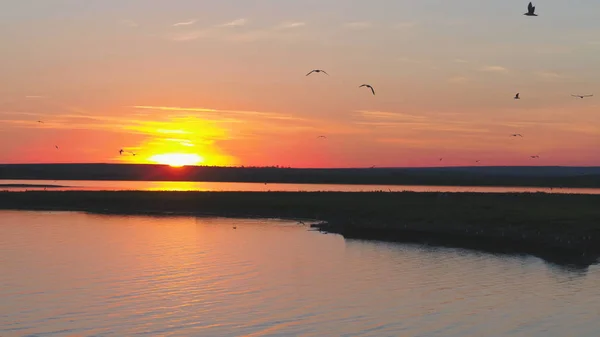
(31, 186)
(559, 228)
(525, 176)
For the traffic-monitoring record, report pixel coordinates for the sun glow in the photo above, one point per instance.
(177, 159)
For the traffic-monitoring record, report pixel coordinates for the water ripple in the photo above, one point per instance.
(76, 274)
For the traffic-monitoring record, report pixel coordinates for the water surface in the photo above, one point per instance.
(104, 185)
(76, 274)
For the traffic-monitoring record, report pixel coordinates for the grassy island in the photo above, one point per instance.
(552, 226)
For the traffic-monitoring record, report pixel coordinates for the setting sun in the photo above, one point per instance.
(177, 159)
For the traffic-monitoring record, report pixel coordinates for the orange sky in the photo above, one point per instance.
(226, 85)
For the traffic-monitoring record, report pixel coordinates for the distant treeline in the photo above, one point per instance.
(451, 176)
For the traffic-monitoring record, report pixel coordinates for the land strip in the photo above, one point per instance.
(552, 226)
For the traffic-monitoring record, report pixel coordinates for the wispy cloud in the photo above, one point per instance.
(404, 141)
(213, 31)
(189, 36)
(389, 115)
(388, 119)
(185, 23)
(416, 122)
(234, 23)
(170, 108)
(290, 25)
(268, 115)
(284, 31)
(549, 75)
(249, 124)
(494, 69)
(19, 113)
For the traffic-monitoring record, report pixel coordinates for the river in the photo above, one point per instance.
(78, 274)
(104, 185)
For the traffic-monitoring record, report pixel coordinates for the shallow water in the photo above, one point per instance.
(104, 185)
(75, 274)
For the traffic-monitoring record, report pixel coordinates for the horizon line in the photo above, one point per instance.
(313, 168)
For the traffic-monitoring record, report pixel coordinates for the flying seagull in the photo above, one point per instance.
(517, 96)
(368, 86)
(121, 151)
(530, 10)
(477, 161)
(40, 122)
(56, 146)
(535, 157)
(441, 159)
(516, 135)
(317, 71)
(582, 96)
(321, 137)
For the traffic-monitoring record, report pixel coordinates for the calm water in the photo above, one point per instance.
(218, 186)
(74, 274)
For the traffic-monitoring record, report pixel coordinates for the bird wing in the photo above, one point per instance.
(362, 85)
(588, 95)
(324, 72)
(575, 95)
(372, 90)
(530, 7)
(312, 71)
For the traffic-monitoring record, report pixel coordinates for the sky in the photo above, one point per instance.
(223, 82)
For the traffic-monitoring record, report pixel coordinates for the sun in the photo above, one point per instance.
(177, 159)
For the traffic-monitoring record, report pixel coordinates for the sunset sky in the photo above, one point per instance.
(223, 82)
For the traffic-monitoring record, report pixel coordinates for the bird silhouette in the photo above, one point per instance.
(56, 146)
(582, 96)
(516, 135)
(317, 71)
(40, 122)
(368, 86)
(517, 96)
(441, 159)
(535, 157)
(321, 137)
(121, 152)
(530, 10)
